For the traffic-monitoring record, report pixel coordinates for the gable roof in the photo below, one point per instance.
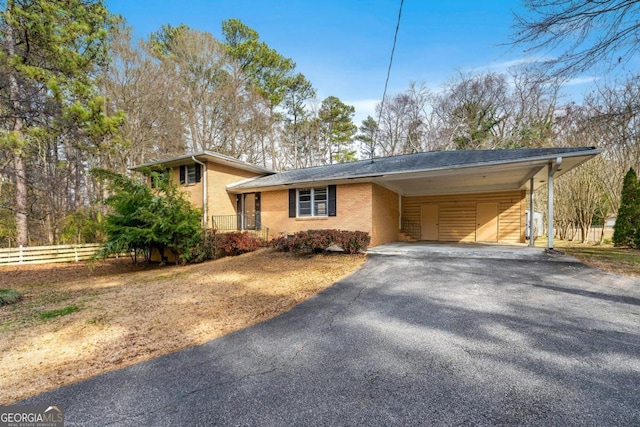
(433, 172)
(204, 156)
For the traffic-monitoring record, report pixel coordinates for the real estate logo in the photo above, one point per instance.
(31, 416)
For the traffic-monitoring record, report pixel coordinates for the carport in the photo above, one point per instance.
(480, 195)
(446, 196)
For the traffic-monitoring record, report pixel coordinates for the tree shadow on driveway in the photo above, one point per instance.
(439, 341)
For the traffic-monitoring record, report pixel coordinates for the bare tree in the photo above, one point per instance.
(146, 91)
(406, 122)
(588, 33)
(533, 101)
(474, 111)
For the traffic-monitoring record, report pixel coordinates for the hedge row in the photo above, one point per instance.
(217, 245)
(316, 241)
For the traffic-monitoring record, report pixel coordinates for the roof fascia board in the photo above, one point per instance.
(232, 188)
(209, 157)
(546, 159)
(537, 161)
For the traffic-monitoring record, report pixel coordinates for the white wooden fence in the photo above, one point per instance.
(47, 254)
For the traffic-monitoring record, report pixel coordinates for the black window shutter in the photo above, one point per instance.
(239, 211)
(332, 200)
(292, 203)
(182, 173)
(258, 216)
(198, 172)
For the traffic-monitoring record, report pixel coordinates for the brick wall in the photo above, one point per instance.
(193, 191)
(385, 216)
(218, 177)
(353, 211)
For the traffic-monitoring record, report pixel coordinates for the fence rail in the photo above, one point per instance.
(48, 254)
(230, 223)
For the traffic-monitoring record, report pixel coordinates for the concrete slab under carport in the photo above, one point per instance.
(468, 250)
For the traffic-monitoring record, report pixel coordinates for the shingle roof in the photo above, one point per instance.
(409, 163)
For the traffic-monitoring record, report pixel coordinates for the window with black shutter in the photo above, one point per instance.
(312, 202)
(190, 174)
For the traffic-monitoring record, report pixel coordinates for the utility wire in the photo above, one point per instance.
(386, 83)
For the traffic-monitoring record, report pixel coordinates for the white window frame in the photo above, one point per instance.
(313, 203)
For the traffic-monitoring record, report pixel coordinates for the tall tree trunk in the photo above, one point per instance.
(19, 166)
(22, 225)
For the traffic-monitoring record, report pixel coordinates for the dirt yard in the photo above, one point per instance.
(123, 314)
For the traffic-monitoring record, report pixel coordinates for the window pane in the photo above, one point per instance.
(304, 202)
(191, 174)
(320, 193)
(320, 201)
(304, 194)
(321, 208)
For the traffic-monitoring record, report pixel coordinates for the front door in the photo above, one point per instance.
(249, 213)
(430, 216)
(487, 222)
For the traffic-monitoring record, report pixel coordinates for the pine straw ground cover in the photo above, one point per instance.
(625, 261)
(123, 314)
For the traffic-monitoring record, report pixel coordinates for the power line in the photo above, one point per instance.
(386, 82)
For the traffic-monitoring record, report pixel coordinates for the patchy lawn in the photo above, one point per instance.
(79, 320)
(623, 261)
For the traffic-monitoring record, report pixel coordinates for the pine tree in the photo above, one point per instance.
(50, 51)
(626, 231)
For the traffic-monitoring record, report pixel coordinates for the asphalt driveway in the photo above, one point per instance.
(421, 335)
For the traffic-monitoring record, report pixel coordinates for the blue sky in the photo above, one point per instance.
(343, 46)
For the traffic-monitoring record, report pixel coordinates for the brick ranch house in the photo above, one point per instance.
(447, 196)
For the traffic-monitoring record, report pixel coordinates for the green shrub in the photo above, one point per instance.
(353, 242)
(50, 314)
(235, 243)
(9, 296)
(142, 219)
(627, 228)
(198, 248)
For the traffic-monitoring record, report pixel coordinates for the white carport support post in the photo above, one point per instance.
(399, 211)
(532, 237)
(553, 168)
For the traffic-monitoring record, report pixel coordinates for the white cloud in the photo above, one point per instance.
(505, 65)
(581, 80)
(364, 108)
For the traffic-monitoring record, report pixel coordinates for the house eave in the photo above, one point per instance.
(203, 156)
(504, 175)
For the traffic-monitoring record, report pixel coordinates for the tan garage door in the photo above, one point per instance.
(487, 222)
(430, 215)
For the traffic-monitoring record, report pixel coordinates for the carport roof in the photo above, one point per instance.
(436, 172)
